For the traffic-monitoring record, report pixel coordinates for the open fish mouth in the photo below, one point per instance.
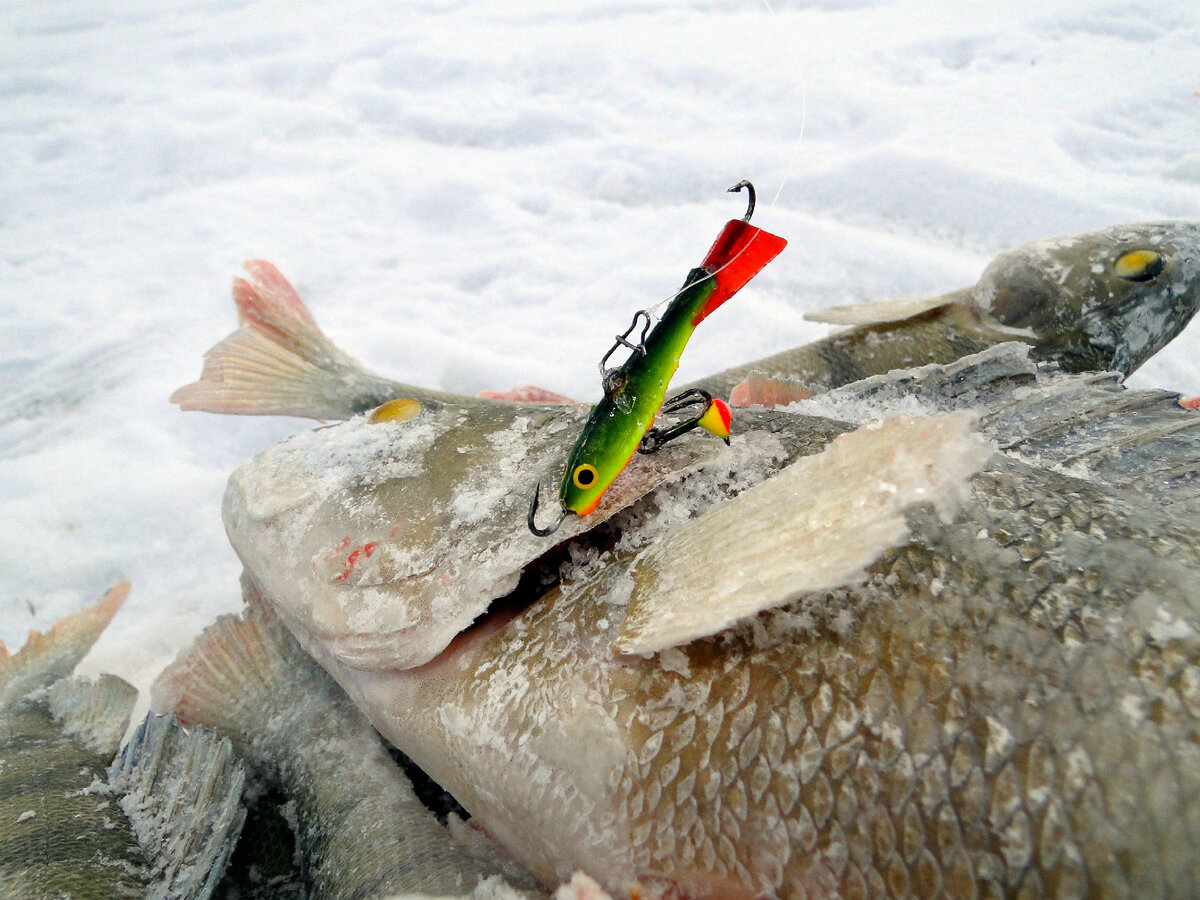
(387, 540)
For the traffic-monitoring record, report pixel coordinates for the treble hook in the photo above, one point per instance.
(750, 190)
(654, 438)
(533, 504)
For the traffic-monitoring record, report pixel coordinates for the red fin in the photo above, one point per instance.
(755, 390)
(739, 253)
(529, 393)
(45, 658)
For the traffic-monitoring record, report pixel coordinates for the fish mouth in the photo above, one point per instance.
(542, 577)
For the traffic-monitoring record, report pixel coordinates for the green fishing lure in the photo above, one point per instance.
(622, 422)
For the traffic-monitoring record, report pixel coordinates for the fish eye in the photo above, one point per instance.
(584, 476)
(1138, 265)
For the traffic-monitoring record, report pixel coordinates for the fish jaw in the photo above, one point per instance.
(1085, 315)
(388, 539)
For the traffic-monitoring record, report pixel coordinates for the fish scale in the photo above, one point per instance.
(1013, 711)
(1004, 705)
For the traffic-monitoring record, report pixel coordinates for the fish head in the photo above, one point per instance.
(1103, 301)
(389, 534)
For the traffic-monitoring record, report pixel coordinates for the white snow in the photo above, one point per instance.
(478, 195)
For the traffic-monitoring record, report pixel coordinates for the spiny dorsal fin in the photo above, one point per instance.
(182, 794)
(878, 312)
(46, 658)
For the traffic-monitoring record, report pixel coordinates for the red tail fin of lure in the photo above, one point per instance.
(739, 253)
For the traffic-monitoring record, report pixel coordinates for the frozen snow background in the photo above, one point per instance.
(478, 195)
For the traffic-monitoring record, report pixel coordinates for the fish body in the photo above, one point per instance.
(1004, 701)
(159, 821)
(1062, 295)
(1102, 301)
(634, 391)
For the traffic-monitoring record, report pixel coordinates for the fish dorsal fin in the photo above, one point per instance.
(182, 793)
(878, 312)
(96, 713)
(814, 527)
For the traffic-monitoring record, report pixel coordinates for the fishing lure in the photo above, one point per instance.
(621, 423)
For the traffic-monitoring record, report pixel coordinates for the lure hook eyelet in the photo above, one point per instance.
(749, 190)
(533, 505)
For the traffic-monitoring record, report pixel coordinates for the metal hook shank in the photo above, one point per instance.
(533, 505)
(749, 190)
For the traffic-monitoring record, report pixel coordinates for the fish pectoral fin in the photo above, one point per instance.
(814, 527)
(878, 312)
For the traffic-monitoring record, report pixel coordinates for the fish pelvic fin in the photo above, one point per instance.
(739, 253)
(182, 794)
(529, 393)
(278, 362)
(757, 389)
(46, 658)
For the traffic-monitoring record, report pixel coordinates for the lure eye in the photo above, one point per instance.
(1138, 265)
(584, 476)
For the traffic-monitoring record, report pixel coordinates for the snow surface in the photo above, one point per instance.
(478, 195)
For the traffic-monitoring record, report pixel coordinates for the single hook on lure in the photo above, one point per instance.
(620, 424)
(533, 505)
(750, 191)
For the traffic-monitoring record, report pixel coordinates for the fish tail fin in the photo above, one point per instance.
(95, 713)
(739, 253)
(183, 798)
(230, 678)
(46, 658)
(279, 362)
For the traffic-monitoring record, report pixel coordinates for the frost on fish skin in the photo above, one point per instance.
(959, 721)
(403, 535)
(796, 533)
(59, 832)
(359, 825)
(1061, 296)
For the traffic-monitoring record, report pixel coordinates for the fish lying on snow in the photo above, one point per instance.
(1107, 300)
(159, 821)
(360, 829)
(1103, 301)
(1005, 701)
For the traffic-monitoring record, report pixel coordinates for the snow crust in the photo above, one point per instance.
(478, 196)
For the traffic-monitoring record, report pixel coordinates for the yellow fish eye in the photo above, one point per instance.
(1138, 265)
(399, 410)
(584, 476)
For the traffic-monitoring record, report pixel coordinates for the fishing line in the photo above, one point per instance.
(653, 310)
